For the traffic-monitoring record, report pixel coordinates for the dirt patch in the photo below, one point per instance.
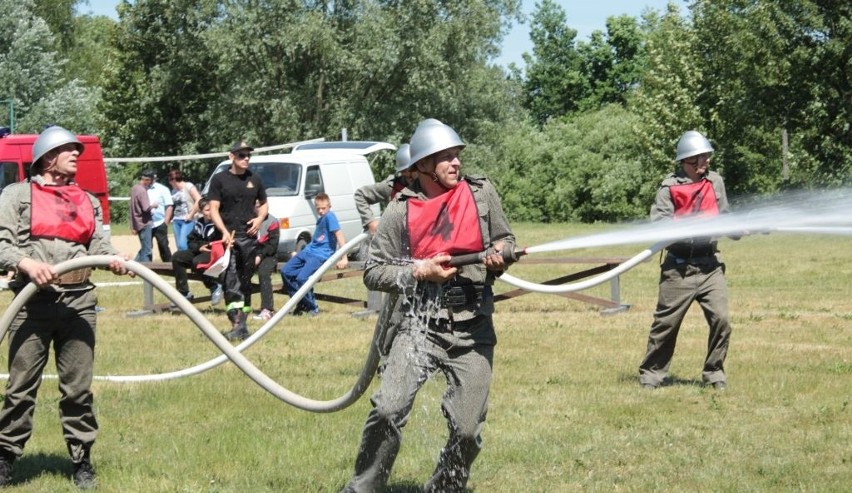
(129, 244)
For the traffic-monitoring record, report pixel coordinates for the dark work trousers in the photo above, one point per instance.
(161, 234)
(237, 279)
(183, 260)
(680, 285)
(68, 321)
(414, 356)
(264, 277)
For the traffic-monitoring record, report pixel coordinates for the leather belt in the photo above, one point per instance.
(79, 276)
(465, 295)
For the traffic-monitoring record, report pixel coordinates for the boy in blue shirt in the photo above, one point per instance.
(327, 238)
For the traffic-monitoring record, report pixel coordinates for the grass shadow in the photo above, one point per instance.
(410, 487)
(670, 381)
(30, 466)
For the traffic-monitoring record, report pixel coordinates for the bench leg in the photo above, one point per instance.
(374, 305)
(148, 307)
(615, 296)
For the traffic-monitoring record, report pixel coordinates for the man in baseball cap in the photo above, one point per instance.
(233, 194)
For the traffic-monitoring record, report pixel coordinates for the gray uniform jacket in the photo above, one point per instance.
(390, 269)
(377, 193)
(15, 241)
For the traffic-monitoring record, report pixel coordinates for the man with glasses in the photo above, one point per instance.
(692, 269)
(232, 196)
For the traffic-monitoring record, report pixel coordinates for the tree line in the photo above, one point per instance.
(584, 132)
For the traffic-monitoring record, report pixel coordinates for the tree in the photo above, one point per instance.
(556, 80)
(28, 65)
(587, 168)
(778, 66)
(669, 91)
(163, 80)
(59, 16)
(92, 49)
(198, 74)
(30, 74)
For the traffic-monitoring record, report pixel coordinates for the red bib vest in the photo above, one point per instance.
(63, 212)
(693, 199)
(446, 224)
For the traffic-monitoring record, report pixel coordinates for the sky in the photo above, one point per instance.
(583, 15)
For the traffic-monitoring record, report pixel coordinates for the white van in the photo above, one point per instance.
(293, 180)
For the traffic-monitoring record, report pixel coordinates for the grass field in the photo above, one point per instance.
(567, 413)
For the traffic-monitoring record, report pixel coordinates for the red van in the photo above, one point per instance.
(16, 155)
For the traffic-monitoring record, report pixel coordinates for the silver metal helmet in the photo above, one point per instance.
(403, 158)
(430, 121)
(430, 138)
(51, 138)
(692, 143)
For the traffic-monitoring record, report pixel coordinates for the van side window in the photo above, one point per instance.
(8, 174)
(313, 182)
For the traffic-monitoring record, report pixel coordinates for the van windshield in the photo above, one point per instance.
(279, 179)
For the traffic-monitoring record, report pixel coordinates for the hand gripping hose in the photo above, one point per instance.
(229, 351)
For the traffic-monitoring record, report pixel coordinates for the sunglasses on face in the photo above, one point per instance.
(243, 155)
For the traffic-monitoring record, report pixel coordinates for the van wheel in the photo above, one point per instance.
(301, 243)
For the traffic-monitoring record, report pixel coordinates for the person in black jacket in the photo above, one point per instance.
(266, 261)
(203, 233)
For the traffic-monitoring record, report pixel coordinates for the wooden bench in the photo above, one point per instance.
(164, 269)
(610, 306)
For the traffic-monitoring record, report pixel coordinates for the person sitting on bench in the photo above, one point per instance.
(203, 233)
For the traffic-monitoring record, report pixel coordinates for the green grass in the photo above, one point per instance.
(566, 414)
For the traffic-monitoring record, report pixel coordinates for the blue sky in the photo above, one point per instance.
(583, 15)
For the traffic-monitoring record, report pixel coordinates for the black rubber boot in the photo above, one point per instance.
(240, 330)
(6, 461)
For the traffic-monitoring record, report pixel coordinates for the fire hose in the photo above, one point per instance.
(229, 351)
(825, 224)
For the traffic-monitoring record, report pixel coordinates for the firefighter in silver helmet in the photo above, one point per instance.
(692, 269)
(443, 316)
(46, 220)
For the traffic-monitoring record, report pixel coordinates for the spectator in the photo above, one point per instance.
(692, 269)
(161, 215)
(232, 195)
(443, 315)
(328, 237)
(266, 260)
(203, 233)
(185, 198)
(46, 220)
(140, 216)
